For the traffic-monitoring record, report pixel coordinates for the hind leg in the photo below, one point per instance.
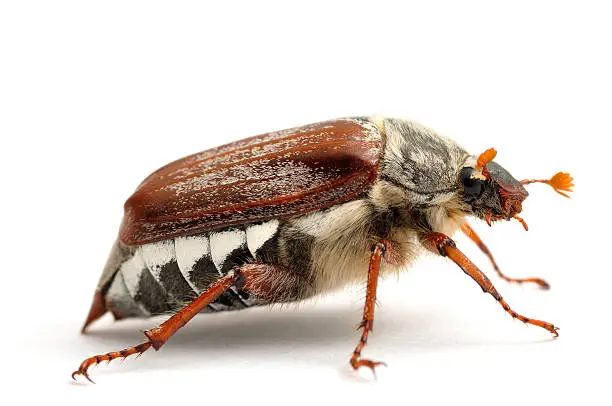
(271, 283)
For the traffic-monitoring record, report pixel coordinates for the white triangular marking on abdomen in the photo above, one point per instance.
(156, 255)
(223, 243)
(258, 234)
(131, 270)
(188, 251)
(118, 292)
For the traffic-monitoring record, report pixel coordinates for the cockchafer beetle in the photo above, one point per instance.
(288, 215)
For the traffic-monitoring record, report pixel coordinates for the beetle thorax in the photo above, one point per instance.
(341, 239)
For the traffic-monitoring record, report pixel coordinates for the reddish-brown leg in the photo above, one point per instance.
(108, 357)
(158, 336)
(469, 231)
(443, 245)
(271, 283)
(368, 312)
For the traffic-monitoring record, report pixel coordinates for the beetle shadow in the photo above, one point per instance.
(273, 327)
(330, 332)
(292, 335)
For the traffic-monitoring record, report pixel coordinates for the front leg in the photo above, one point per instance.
(380, 250)
(443, 245)
(469, 231)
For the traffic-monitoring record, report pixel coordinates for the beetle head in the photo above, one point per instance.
(491, 191)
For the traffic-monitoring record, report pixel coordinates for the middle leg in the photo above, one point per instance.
(367, 323)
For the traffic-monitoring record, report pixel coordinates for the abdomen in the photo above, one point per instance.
(164, 276)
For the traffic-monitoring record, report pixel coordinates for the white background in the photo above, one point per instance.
(96, 95)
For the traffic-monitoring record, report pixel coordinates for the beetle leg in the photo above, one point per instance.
(158, 336)
(368, 312)
(108, 357)
(444, 246)
(469, 231)
(271, 283)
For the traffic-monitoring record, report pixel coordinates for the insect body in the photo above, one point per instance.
(288, 215)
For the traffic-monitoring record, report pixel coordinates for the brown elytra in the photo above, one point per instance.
(273, 175)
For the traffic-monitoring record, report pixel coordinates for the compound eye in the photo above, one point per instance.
(471, 187)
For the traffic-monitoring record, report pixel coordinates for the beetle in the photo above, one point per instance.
(292, 214)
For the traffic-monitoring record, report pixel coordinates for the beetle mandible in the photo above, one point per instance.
(292, 214)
